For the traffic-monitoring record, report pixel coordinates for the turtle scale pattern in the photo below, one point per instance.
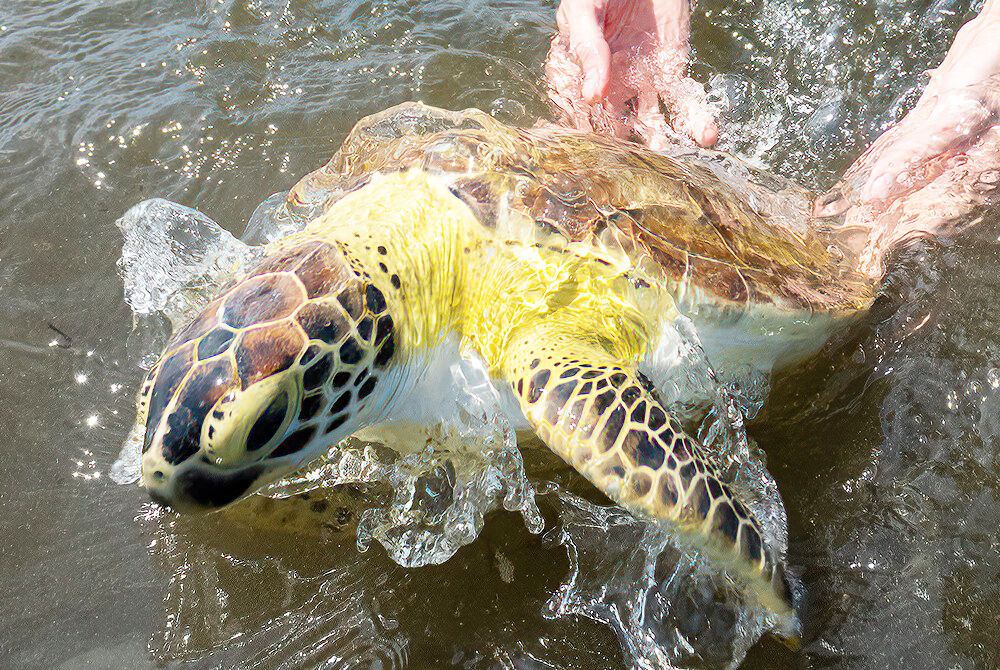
(297, 313)
(609, 423)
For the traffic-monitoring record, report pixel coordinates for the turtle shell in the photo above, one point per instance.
(715, 227)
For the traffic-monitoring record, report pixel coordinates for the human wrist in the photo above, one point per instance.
(973, 58)
(989, 12)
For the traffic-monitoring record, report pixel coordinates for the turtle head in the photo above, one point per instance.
(265, 379)
(211, 441)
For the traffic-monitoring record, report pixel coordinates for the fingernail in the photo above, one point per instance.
(709, 135)
(831, 203)
(590, 86)
(879, 189)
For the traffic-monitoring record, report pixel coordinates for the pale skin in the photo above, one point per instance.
(631, 54)
(609, 52)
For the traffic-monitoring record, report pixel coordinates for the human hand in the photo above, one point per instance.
(614, 60)
(959, 105)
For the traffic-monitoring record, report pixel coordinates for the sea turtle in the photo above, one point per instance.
(559, 260)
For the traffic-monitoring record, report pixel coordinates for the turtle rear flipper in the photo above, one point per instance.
(605, 419)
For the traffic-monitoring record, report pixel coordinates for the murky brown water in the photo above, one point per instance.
(885, 449)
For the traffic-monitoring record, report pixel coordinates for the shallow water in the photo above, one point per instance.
(884, 449)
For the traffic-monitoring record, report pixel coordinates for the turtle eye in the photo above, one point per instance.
(267, 424)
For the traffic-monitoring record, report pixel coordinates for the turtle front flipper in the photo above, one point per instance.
(605, 419)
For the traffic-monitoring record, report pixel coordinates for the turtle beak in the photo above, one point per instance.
(163, 486)
(178, 503)
(195, 486)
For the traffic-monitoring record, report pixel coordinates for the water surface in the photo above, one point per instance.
(885, 448)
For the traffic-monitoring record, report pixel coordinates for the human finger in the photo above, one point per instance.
(946, 124)
(581, 25)
(911, 153)
(952, 123)
(693, 115)
(614, 115)
(562, 73)
(663, 72)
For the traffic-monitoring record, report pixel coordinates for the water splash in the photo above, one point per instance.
(175, 257)
(667, 606)
(441, 496)
(273, 220)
